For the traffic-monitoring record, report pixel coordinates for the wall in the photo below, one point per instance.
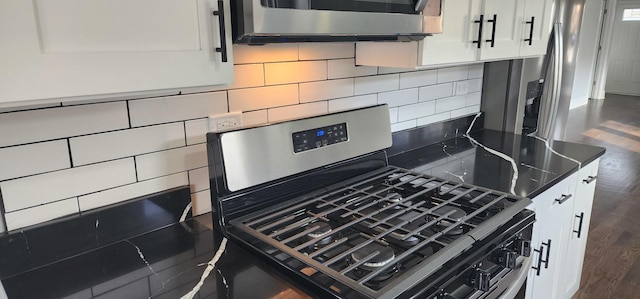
(61, 160)
(587, 51)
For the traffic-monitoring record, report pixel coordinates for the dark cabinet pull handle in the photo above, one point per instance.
(480, 22)
(563, 198)
(540, 260)
(493, 30)
(546, 261)
(579, 231)
(530, 39)
(223, 34)
(590, 179)
(539, 267)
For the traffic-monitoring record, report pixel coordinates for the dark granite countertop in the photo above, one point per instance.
(164, 262)
(142, 249)
(474, 161)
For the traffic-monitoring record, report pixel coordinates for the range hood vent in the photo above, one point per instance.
(281, 21)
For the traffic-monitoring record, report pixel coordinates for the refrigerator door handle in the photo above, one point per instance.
(556, 83)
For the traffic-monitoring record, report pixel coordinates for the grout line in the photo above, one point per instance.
(128, 114)
(135, 167)
(184, 125)
(69, 148)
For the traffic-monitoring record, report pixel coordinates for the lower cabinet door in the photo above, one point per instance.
(549, 243)
(577, 242)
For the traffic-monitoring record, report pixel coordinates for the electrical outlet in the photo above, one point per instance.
(462, 87)
(225, 121)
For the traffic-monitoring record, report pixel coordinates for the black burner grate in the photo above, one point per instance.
(407, 224)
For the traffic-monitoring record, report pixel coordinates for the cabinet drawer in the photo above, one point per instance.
(556, 195)
(588, 173)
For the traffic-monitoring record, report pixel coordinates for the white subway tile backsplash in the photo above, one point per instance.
(23, 218)
(393, 115)
(451, 103)
(353, 102)
(392, 70)
(126, 143)
(201, 202)
(253, 118)
(433, 92)
(403, 125)
(196, 131)
(23, 193)
(263, 97)
(60, 122)
(316, 51)
(476, 71)
(294, 72)
(417, 79)
(247, 75)
(346, 68)
(297, 111)
(474, 99)
(325, 90)
(465, 111)
(423, 121)
(34, 158)
(172, 161)
(199, 179)
(119, 194)
(375, 84)
(415, 111)
(399, 97)
(176, 108)
(243, 54)
(475, 85)
(453, 74)
(160, 139)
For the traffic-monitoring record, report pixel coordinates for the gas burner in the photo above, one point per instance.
(456, 215)
(323, 233)
(394, 198)
(384, 257)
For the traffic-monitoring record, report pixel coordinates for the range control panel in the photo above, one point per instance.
(315, 138)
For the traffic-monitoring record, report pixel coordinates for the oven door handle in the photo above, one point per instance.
(515, 286)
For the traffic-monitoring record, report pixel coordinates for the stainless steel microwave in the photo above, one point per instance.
(269, 21)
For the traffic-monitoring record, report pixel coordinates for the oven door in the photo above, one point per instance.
(260, 21)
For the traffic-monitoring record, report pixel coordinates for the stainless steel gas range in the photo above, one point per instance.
(317, 199)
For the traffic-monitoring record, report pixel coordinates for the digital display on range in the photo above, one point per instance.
(319, 137)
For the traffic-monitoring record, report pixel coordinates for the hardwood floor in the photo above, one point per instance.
(612, 260)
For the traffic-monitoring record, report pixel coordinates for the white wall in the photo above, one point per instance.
(587, 53)
(61, 160)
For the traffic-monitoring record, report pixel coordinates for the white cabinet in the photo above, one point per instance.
(453, 45)
(78, 49)
(553, 209)
(536, 27)
(579, 229)
(560, 235)
(501, 29)
(473, 30)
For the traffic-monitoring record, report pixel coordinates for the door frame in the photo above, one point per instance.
(602, 61)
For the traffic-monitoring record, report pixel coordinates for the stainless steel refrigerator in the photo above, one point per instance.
(531, 96)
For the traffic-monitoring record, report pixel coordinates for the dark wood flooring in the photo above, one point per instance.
(612, 260)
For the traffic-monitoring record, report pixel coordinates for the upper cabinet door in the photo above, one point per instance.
(536, 27)
(502, 29)
(455, 43)
(78, 49)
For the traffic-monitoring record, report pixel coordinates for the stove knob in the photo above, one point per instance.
(480, 280)
(507, 258)
(522, 247)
